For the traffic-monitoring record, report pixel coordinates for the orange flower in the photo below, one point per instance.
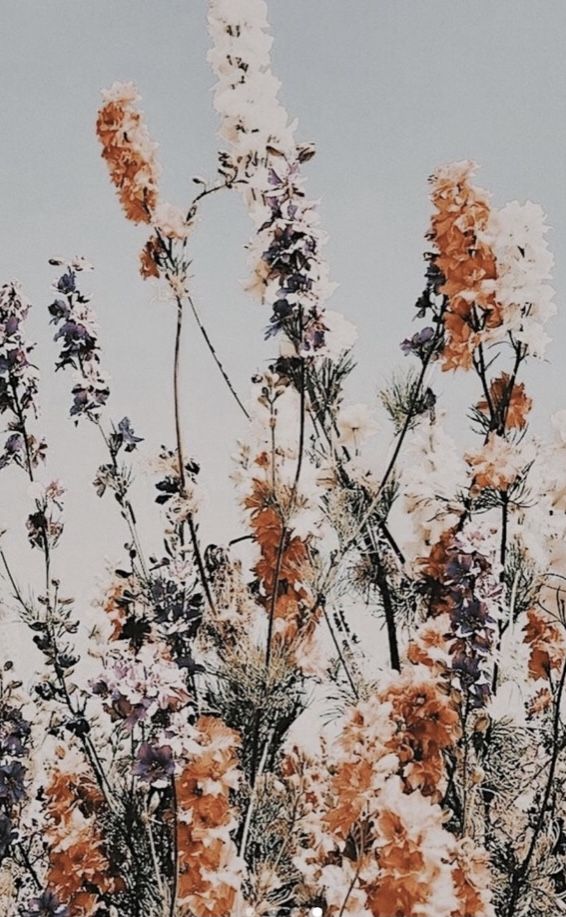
(129, 152)
(79, 870)
(427, 723)
(149, 258)
(495, 466)
(283, 564)
(207, 854)
(546, 644)
(472, 880)
(466, 263)
(509, 402)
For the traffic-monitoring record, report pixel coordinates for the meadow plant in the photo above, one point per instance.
(236, 745)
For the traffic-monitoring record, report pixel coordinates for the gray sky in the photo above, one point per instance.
(388, 89)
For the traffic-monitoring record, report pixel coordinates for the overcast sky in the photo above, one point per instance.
(388, 89)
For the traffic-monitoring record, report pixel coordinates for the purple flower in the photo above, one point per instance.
(14, 730)
(420, 344)
(126, 435)
(12, 782)
(7, 833)
(155, 765)
(47, 905)
(78, 333)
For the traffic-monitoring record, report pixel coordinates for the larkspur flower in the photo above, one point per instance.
(154, 765)
(129, 151)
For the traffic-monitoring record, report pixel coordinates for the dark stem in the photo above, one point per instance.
(502, 626)
(182, 476)
(216, 358)
(175, 877)
(339, 650)
(521, 873)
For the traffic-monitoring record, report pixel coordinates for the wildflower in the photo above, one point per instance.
(18, 382)
(154, 765)
(209, 869)
(129, 152)
(508, 401)
(47, 905)
(136, 688)
(516, 235)
(78, 333)
(497, 465)
(546, 644)
(12, 782)
(170, 222)
(465, 261)
(355, 424)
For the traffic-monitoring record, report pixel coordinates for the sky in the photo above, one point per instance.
(388, 90)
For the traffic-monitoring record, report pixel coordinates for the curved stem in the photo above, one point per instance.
(180, 457)
(521, 873)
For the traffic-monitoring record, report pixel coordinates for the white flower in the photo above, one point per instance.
(341, 334)
(121, 92)
(355, 424)
(516, 234)
(170, 221)
(558, 421)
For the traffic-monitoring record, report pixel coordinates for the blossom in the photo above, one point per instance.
(508, 401)
(415, 876)
(287, 267)
(355, 424)
(79, 872)
(129, 151)
(154, 764)
(461, 579)
(78, 334)
(46, 905)
(427, 724)
(545, 642)
(465, 261)
(170, 221)
(135, 688)
(496, 465)
(517, 236)
(433, 474)
(209, 868)
(19, 380)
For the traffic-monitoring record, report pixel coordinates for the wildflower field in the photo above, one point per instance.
(354, 705)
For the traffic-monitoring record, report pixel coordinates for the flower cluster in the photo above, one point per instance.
(516, 235)
(77, 331)
(80, 872)
(129, 151)
(288, 270)
(18, 382)
(461, 580)
(209, 874)
(141, 687)
(353, 706)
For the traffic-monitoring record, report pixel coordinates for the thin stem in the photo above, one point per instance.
(502, 560)
(182, 475)
(127, 509)
(339, 651)
(521, 873)
(23, 430)
(273, 601)
(247, 823)
(175, 878)
(215, 357)
(408, 420)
